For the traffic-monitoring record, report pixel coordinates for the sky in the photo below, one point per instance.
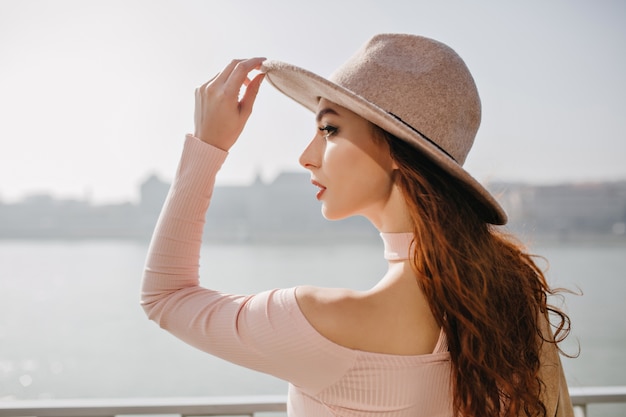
(96, 96)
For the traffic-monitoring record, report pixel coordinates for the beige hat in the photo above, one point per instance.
(413, 87)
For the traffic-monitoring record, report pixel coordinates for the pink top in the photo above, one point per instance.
(267, 331)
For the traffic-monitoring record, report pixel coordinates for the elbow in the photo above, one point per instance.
(152, 309)
(150, 300)
(147, 306)
(151, 297)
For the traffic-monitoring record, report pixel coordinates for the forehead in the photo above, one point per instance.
(325, 106)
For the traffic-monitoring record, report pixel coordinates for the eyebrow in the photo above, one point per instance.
(324, 111)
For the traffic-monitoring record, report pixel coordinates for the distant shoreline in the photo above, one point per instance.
(572, 240)
(572, 214)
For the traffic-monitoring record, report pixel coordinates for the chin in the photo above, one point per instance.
(334, 215)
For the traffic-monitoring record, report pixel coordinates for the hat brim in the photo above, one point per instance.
(307, 88)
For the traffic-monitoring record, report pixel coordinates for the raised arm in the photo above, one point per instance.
(266, 331)
(220, 116)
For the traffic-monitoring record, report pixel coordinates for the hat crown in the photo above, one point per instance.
(420, 81)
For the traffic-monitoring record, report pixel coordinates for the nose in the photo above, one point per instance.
(311, 157)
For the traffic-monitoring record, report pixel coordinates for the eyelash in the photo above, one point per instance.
(330, 130)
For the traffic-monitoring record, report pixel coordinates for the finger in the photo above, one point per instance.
(240, 73)
(249, 97)
(222, 76)
(203, 86)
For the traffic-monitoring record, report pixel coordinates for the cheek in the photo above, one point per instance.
(356, 169)
(337, 159)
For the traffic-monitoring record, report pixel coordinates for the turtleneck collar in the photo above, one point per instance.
(397, 245)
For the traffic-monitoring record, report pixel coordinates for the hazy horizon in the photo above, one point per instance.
(87, 195)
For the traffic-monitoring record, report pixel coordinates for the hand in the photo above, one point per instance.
(219, 115)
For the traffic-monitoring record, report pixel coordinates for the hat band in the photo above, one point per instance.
(424, 136)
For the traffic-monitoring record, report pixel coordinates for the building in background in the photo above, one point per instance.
(284, 210)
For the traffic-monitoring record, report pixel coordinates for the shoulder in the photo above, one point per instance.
(397, 321)
(319, 303)
(333, 312)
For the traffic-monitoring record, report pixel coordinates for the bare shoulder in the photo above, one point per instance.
(398, 321)
(328, 304)
(319, 296)
(333, 312)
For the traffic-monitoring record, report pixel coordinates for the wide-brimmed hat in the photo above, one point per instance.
(415, 88)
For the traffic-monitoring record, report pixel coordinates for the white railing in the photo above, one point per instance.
(193, 406)
(225, 406)
(583, 396)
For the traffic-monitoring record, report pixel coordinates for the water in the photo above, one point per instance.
(71, 325)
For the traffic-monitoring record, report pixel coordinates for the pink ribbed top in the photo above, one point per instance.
(267, 331)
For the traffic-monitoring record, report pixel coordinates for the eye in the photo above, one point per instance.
(328, 131)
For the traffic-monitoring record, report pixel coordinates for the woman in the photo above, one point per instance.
(458, 324)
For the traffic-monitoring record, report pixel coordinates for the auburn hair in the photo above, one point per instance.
(483, 288)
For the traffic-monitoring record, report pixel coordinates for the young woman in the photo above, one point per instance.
(458, 326)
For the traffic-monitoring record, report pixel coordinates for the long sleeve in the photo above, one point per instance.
(266, 331)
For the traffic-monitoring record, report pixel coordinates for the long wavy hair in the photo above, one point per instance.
(486, 292)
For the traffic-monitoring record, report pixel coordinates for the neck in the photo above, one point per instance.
(393, 216)
(397, 245)
(399, 272)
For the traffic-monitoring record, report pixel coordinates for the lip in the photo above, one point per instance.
(321, 189)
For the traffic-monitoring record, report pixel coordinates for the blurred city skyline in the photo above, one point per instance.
(284, 210)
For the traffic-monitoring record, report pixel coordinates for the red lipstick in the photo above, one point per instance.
(321, 189)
